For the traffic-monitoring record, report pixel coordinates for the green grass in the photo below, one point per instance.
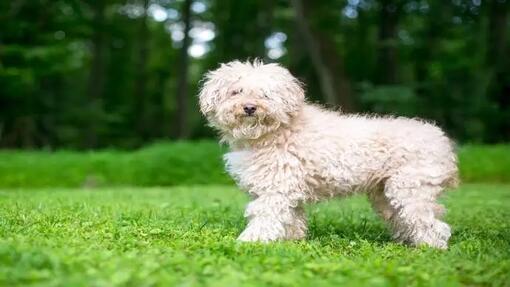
(485, 163)
(181, 163)
(186, 236)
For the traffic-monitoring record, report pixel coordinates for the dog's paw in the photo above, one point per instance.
(262, 231)
(250, 235)
(435, 236)
(439, 235)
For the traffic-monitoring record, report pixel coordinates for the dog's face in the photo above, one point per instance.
(248, 100)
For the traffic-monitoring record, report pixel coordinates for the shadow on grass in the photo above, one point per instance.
(349, 228)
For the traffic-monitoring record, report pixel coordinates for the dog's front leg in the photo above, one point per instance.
(274, 217)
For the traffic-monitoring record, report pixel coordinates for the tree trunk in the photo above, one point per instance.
(95, 87)
(436, 21)
(387, 58)
(497, 61)
(182, 84)
(140, 89)
(325, 58)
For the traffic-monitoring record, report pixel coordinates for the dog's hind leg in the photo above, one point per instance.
(409, 204)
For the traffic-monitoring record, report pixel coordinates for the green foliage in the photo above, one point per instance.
(85, 74)
(396, 100)
(181, 163)
(186, 236)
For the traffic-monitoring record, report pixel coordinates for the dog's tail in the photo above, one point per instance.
(453, 181)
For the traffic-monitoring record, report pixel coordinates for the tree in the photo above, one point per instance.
(97, 75)
(325, 58)
(387, 58)
(182, 82)
(497, 60)
(242, 27)
(140, 89)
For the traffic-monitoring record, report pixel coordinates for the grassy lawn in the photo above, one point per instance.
(186, 236)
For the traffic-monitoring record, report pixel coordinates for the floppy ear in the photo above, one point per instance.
(216, 83)
(295, 89)
(209, 93)
(291, 89)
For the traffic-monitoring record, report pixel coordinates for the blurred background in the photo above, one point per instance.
(86, 74)
(109, 175)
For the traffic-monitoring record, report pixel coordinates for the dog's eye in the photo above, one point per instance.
(236, 92)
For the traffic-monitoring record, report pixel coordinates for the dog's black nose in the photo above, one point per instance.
(249, 109)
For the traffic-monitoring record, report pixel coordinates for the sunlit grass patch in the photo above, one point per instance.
(186, 235)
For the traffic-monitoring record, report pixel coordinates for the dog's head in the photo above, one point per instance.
(248, 100)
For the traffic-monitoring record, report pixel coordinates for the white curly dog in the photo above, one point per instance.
(286, 152)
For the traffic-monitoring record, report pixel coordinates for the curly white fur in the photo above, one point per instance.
(290, 152)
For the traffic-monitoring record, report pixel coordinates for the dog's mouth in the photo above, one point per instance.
(250, 119)
(259, 119)
(237, 124)
(251, 127)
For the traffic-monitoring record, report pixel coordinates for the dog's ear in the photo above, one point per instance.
(291, 90)
(209, 92)
(296, 88)
(216, 83)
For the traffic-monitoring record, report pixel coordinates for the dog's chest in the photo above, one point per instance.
(237, 164)
(259, 172)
